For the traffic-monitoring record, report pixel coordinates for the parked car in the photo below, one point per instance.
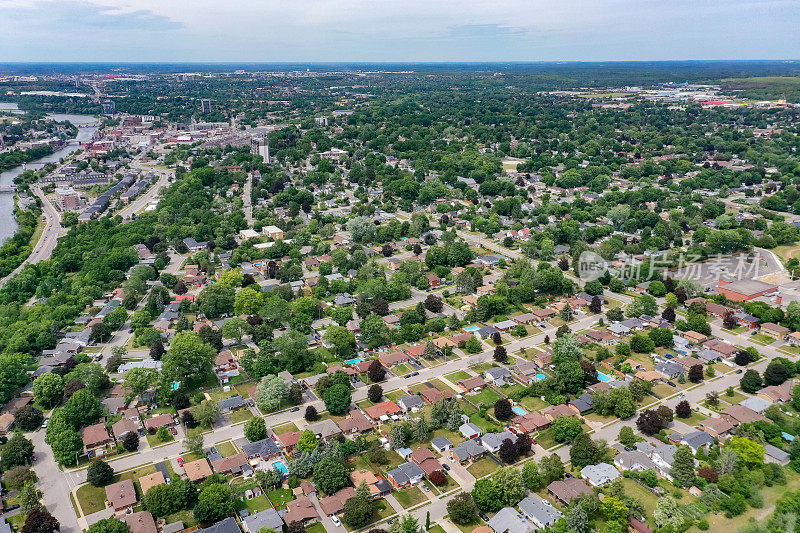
(11, 507)
(446, 467)
(180, 461)
(426, 488)
(415, 373)
(739, 371)
(294, 409)
(174, 431)
(336, 521)
(671, 384)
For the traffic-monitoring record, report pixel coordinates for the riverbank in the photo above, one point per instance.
(18, 248)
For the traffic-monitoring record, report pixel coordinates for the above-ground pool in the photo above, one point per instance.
(470, 329)
(603, 377)
(519, 410)
(353, 361)
(280, 467)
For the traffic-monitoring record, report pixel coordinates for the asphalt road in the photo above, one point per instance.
(139, 204)
(47, 241)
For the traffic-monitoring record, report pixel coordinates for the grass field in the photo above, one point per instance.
(487, 396)
(456, 376)
(409, 496)
(482, 467)
(226, 449)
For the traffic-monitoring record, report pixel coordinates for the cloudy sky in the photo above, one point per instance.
(397, 30)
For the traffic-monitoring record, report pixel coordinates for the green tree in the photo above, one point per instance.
(307, 442)
(566, 428)
(487, 496)
(214, 503)
(359, 510)
(330, 475)
(682, 468)
(508, 481)
(99, 473)
(271, 392)
(531, 476)
(108, 525)
(188, 360)
(194, 442)
(206, 413)
(18, 451)
(235, 329)
(255, 429)
(462, 509)
(48, 389)
(248, 301)
(343, 341)
(337, 399)
(750, 382)
(216, 300)
(29, 497)
(583, 451)
(66, 445)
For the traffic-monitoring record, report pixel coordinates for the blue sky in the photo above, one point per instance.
(397, 30)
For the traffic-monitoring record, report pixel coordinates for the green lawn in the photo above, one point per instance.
(155, 441)
(186, 516)
(241, 415)
(487, 397)
(409, 496)
(533, 403)
(763, 340)
(316, 527)
(694, 419)
(482, 467)
(255, 505)
(280, 497)
(456, 376)
(226, 449)
(401, 370)
(285, 428)
(93, 499)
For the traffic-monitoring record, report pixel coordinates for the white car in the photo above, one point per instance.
(336, 521)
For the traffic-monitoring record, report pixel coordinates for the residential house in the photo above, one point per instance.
(756, 403)
(716, 427)
(162, 420)
(268, 518)
(141, 522)
(197, 470)
(406, 474)
(234, 403)
(776, 331)
(776, 393)
(531, 422)
(669, 370)
(355, 423)
(442, 444)
(383, 411)
(508, 520)
(739, 414)
(582, 403)
(325, 429)
(424, 458)
(773, 454)
(378, 487)
(289, 440)
(261, 450)
(599, 474)
(493, 441)
(633, 460)
(411, 403)
(334, 504)
(470, 431)
(301, 510)
(695, 440)
(498, 376)
(121, 496)
(233, 465)
(467, 451)
(150, 481)
(539, 511)
(95, 439)
(568, 489)
(471, 384)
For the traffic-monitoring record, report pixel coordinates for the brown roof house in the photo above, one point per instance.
(121, 496)
(197, 470)
(141, 522)
(95, 439)
(471, 384)
(564, 491)
(148, 482)
(300, 510)
(739, 414)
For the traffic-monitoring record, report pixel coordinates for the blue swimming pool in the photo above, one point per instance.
(353, 361)
(604, 378)
(470, 329)
(280, 467)
(540, 376)
(519, 410)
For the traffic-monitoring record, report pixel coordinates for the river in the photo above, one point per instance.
(8, 225)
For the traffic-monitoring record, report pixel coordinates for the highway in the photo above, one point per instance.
(48, 239)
